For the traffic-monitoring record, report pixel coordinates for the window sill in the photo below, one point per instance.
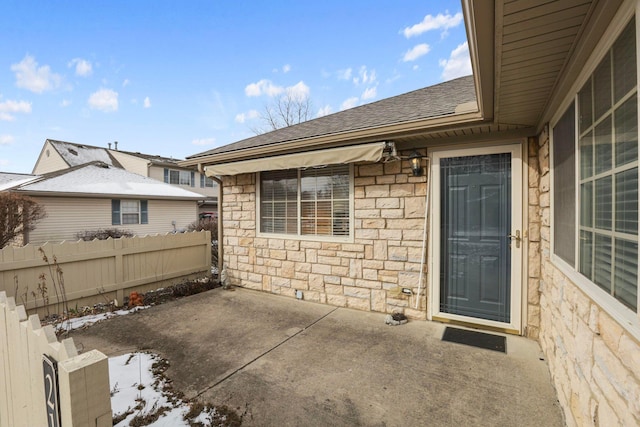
(626, 318)
(329, 239)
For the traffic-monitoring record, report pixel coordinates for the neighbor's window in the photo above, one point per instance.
(178, 177)
(607, 176)
(205, 181)
(310, 202)
(127, 212)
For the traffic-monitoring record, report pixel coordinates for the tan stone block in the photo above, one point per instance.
(309, 244)
(533, 315)
(545, 200)
(292, 245)
(390, 235)
(393, 303)
(402, 190)
(402, 178)
(316, 281)
(534, 196)
(358, 193)
(370, 284)
(392, 168)
(273, 262)
(414, 207)
(545, 183)
(380, 250)
(369, 274)
(353, 291)
(363, 182)
(533, 292)
(371, 170)
(359, 303)
(329, 260)
(387, 203)
(610, 331)
(615, 381)
(397, 253)
(348, 281)
(534, 175)
(276, 244)
(364, 204)
(321, 269)
(629, 353)
(386, 179)
(412, 313)
(298, 256)
(340, 270)
(374, 264)
(332, 279)
(375, 191)
(333, 289)
(366, 213)
(378, 300)
(337, 300)
(368, 234)
(374, 223)
(392, 213)
(311, 255)
(394, 265)
(303, 267)
(355, 268)
(534, 231)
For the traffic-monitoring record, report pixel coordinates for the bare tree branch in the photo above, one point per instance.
(18, 215)
(288, 109)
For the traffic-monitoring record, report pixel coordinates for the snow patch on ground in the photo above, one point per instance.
(84, 321)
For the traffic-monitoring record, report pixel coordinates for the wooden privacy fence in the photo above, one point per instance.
(80, 273)
(28, 394)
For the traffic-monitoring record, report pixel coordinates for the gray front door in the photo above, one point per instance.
(475, 222)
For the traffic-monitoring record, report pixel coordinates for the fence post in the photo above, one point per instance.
(88, 371)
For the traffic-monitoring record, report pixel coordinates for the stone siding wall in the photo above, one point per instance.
(594, 362)
(365, 274)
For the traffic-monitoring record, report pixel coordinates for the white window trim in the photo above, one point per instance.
(309, 237)
(624, 316)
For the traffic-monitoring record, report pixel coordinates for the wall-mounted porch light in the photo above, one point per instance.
(416, 163)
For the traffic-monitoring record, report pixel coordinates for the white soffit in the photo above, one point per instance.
(309, 159)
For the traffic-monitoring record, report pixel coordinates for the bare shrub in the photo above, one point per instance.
(103, 234)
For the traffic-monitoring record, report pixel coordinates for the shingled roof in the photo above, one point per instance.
(434, 101)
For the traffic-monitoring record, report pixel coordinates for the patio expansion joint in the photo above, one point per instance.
(226, 377)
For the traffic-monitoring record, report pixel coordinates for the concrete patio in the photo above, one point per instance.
(279, 361)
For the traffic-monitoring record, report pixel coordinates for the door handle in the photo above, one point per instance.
(515, 237)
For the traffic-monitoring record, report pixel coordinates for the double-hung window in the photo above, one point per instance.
(595, 159)
(178, 177)
(127, 212)
(306, 202)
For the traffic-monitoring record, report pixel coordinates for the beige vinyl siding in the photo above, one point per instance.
(66, 216)
(49, 161)
(157, 172)
(131, 163)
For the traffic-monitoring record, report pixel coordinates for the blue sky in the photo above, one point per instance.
(175, 78)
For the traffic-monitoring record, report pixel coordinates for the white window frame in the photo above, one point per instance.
(616, 309)
(123, 212)
(180, 177)
(307, 237)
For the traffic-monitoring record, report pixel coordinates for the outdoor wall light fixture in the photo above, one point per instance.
(416, 163)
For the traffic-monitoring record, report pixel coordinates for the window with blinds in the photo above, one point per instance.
(608, 173)
(309, 202)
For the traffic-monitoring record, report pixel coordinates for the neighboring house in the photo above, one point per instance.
(530, 190)
(97, 195)
(57, 155)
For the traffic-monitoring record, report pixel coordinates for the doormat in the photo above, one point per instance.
(475, 339)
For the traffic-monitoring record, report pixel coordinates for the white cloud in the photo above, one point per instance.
(416, 67)
(416, 52)
(147, 102)
(349, 103)
(263, 87)
(31, 77)
(365, 76)
(299, 90)
(458, 64)
(104, 100)
(430, 22)
(125, 83)
(83, 67)
(345, 74)
(204, 141)
(286, 68)
(325, 111)
(243, 117)
(65, 103)
(370, 93)
(8, 108)
(6, 139)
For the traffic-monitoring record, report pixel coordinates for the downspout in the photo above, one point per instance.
(424, 233)
(220, 228)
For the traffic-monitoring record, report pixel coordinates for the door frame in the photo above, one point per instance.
(517, 279)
